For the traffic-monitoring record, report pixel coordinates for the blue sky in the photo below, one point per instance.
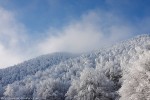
(29, 28)
(38, 15)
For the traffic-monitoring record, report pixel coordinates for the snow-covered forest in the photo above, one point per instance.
(120, 72)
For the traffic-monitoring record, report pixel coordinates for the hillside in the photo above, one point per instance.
(30, 67)
(119, 72)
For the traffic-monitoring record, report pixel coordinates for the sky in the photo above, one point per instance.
(29, 28)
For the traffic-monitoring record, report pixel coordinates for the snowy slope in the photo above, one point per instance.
(105, 74)
(30, 67)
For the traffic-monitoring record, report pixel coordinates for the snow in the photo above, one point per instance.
(119, 72)
(18, 72)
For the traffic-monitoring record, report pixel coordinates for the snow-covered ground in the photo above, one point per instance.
(120, 72)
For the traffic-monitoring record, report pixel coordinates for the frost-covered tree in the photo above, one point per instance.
(1, 90)
(25, 91)
(51, 89)
(92, 85)
(30, 67)
(136, 82)
(95, 75)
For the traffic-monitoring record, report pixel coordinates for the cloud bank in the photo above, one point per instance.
(93, 30)
(12, 36)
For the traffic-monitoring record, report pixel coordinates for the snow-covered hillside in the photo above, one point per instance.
(30, 67)
(119, 72)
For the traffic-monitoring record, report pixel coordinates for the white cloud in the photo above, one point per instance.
(94, 30)
(12, 35)
(8, 57)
